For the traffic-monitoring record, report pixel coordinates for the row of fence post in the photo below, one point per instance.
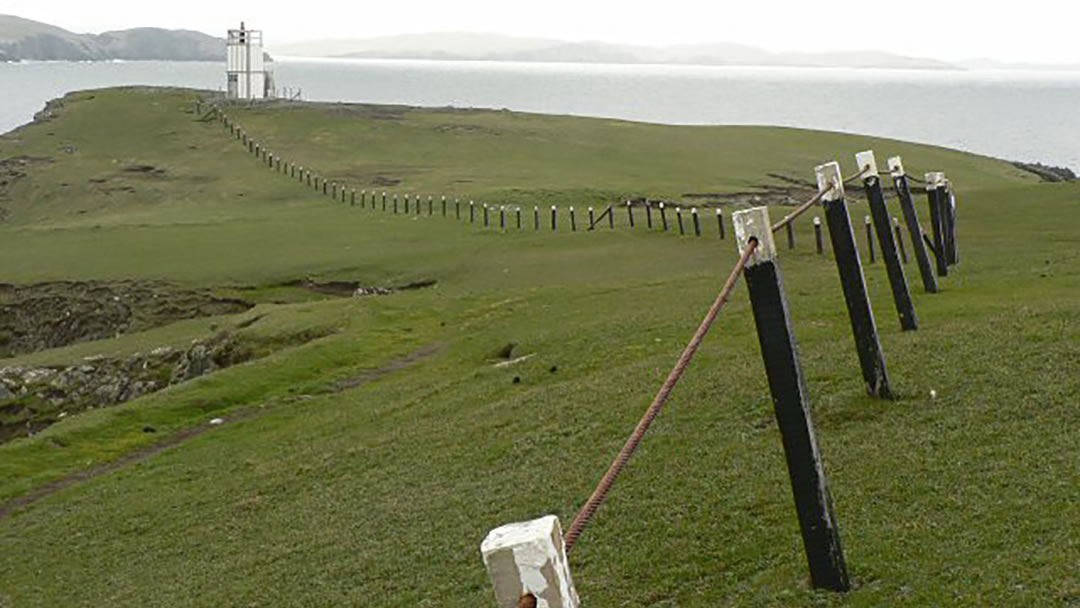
(516, 578)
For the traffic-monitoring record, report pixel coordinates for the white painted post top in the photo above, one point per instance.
(935, 180)
(867, 164)
(817, 221)
(754, 223)
(896, 166)
(694, 210)
(829, 174)
(529, 558)
(868, 219)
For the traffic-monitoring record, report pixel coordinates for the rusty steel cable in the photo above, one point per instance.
(600, 493)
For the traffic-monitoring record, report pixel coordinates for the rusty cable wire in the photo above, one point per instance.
(600, 493)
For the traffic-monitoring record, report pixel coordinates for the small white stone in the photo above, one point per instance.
(933, 394)
(217, 421)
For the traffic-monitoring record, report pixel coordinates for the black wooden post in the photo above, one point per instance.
(430, 206)
(949, 215)
(697, 222)
(935, 194)
(592, 220)
(663, 215)
(502, 218)
(787, 385)
(457, 208)
(790, 235)
(472, 213)
(384, 201)
(846, 250)
(610, 213)
(573, 220)
(899, 240)
(352, 198)
(486, 222)
(536, 217)
(817, 235)
(324, 187)
(905, 309)
(720, 223)
(911, 219)
(630, 213)
(444, 206)
(554, 226)
(678, 215)
(406, 203)
(518, 210)
(648, 214)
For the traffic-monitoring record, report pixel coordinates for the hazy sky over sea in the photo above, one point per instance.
(1035, 30)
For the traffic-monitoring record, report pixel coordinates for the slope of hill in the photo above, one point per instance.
(26, 40)
(365, 465)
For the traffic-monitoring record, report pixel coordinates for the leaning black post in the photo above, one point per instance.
(889, 254)
(809, 486)
(949, 220)
(663, 215)
(630, 213)
(697, 222)
(648, 214)
(935, 194)
(678, 215)
(790, 235)
(846, 250)
(573, 221)
(610, 213)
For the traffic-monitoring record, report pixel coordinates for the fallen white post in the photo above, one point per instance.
(529, 558)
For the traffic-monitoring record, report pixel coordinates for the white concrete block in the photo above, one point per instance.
(529, 558)
(754, 223)
(829, 174)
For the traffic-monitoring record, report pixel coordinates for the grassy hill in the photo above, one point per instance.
(364, 467)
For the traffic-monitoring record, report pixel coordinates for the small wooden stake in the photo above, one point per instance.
(663, 215)
(444, 206)
(697, 222)
(592, 220)
(809, 486)
(630, 213)
(870, 240)
(790, 235)
(648, 214)
(846, 250)
(573, 221)
(818, 241)
(554, 225)
(472, 213)
(678, 215)
(720, 223)
(536, 217)
(899, 240)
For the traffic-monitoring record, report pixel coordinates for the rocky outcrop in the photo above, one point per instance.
(47, 315)
(31, 398)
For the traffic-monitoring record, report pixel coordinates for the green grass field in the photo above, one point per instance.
(346, 475)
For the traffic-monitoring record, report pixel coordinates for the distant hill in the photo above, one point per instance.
(494, 47)
(26, 40)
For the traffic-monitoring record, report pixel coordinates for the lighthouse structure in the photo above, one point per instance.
(246, 67)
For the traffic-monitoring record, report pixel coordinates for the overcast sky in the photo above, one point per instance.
(1034, 30)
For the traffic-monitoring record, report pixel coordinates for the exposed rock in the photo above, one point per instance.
(48, 315)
